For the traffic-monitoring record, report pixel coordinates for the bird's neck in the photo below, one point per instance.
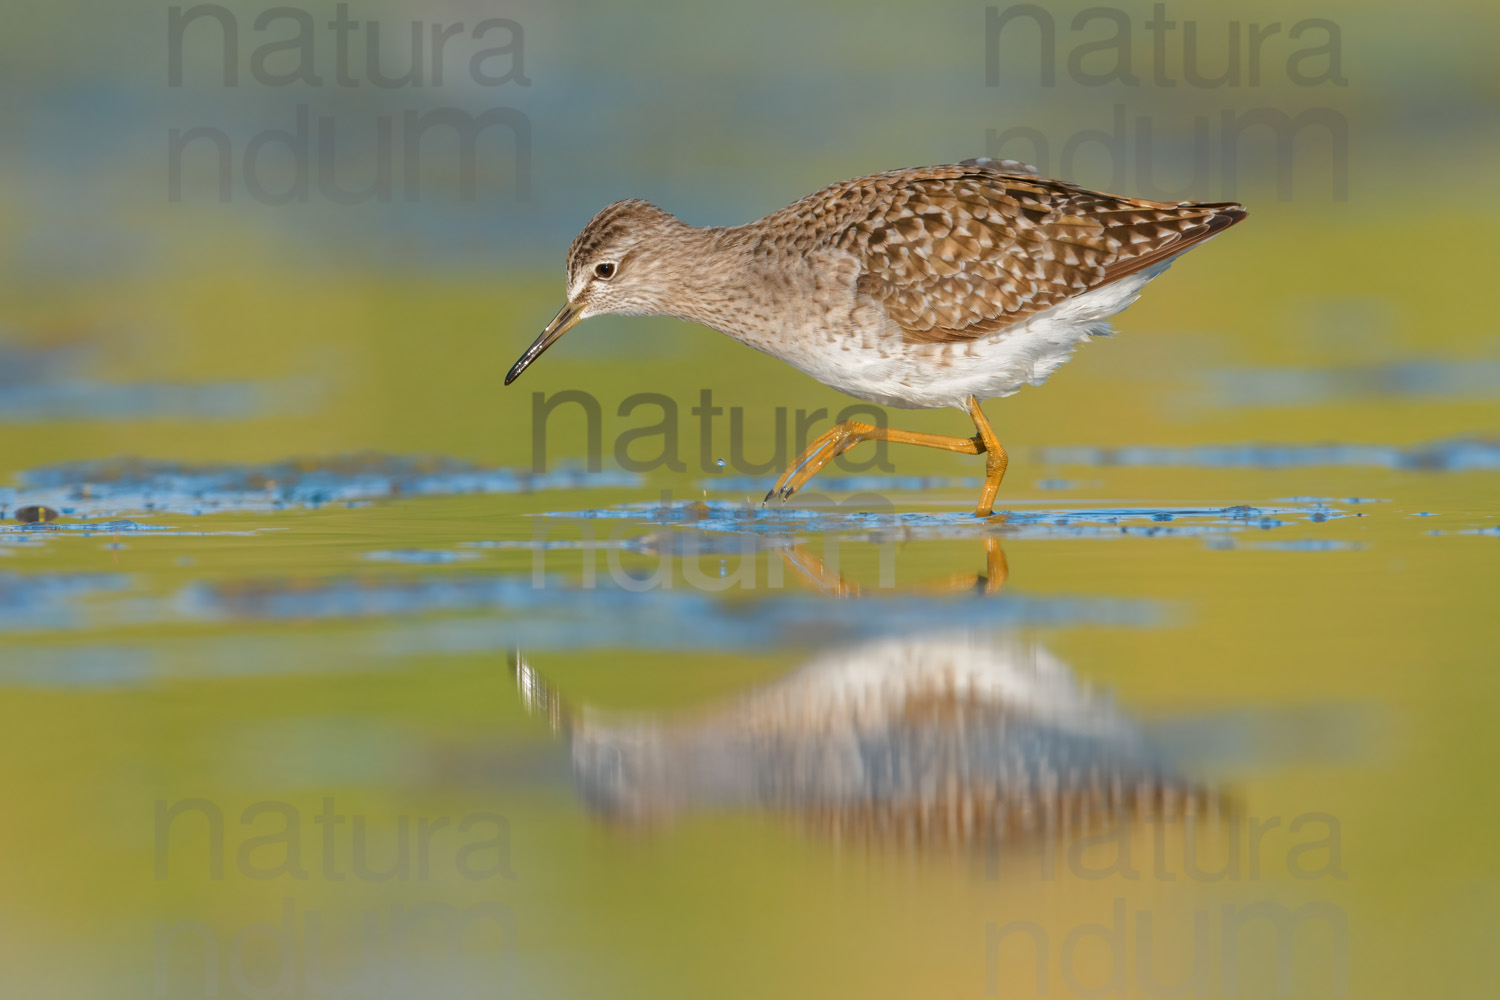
(721, 282)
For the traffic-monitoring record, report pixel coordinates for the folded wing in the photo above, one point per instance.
(953, 253)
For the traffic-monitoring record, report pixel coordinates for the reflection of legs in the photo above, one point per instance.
(995, 459)
(830, 445)
(995, 575)
(833, 443)
(818, 576)
(998, 570)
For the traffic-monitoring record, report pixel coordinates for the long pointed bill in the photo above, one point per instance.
(564, 321)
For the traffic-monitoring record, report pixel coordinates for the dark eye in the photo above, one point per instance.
(605, 270)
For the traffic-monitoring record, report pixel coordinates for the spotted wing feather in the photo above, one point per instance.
(954, 253)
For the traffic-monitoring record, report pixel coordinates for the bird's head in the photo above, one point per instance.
(619, 265)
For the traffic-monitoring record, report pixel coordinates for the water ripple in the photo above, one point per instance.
(110, 485)
(778, 521)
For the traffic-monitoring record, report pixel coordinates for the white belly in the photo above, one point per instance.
(922, 376)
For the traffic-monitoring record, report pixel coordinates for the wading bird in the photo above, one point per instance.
(922, 288)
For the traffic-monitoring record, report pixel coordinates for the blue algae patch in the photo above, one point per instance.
(1459, 455)
(36, 534)
(84, 399)
(546, 618)
(1306, 545)
(70, 667)
(779, 521)
(1270, 387)
(757, 486)
(45, 383)
(87, 528)
(81, 488)
(355, 597)
(660, 617)
(34, 601)
(419, 556)
(670, 543)
(546, 544)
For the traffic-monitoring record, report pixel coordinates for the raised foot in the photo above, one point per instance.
(823, 449)
(843, 436)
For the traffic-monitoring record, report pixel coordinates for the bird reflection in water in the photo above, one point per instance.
(938, 740)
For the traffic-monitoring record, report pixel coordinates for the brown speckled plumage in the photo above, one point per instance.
(956, 252)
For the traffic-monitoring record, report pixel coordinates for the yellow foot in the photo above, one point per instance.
(843, 436)
(833, 443)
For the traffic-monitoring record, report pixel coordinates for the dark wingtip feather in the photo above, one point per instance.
(1225, 214)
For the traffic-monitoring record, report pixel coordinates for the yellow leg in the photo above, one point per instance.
(833, 443)
(995, 460)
